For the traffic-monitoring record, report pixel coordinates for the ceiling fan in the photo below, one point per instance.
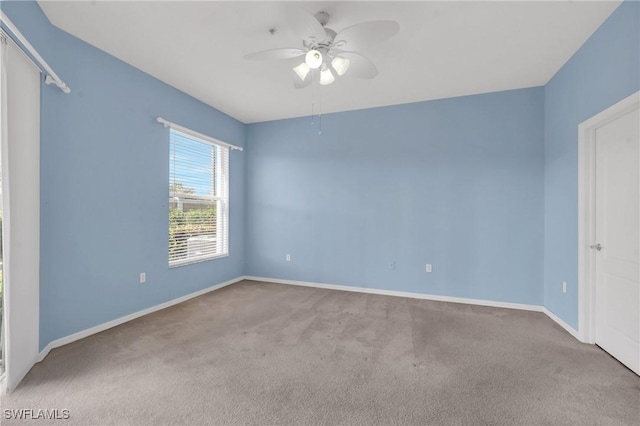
(325, 54)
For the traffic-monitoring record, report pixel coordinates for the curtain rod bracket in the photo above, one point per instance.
(50, 80)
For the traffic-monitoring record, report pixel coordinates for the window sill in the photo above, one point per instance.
(192, 260)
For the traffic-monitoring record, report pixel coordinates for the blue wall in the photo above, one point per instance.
(604, 71)
(104, 184)
(457, 183)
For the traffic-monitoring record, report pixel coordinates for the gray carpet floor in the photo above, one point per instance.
(271, 354)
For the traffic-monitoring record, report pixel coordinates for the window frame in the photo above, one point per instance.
(220, 174)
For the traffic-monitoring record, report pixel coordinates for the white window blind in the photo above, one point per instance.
(198, 199)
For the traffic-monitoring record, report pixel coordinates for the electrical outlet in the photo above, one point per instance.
(288, 257)
(564, 286)
(143, 277)
(392, 265)
(428, 268)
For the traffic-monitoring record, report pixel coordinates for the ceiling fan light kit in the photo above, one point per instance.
(326, 76)
(340, 64)
(334, 54)
(302, 70)
(314, 59)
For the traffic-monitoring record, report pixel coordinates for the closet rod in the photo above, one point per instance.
(51, 76)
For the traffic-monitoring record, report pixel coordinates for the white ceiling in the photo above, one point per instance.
(443, 49)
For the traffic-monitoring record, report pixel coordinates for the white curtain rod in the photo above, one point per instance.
(198, 135)
(51, 76)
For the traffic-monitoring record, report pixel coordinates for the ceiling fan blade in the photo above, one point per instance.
(301, 84)
(304, 24)
(359, 66)
(360, 36)
(275, 54)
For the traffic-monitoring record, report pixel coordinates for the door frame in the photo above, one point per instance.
(586, 212)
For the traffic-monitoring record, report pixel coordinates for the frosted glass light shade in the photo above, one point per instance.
(302, 70)
(313, 58)
(340, 64)
(326, 77)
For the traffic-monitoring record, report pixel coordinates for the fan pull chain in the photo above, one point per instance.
(312, 104)
(319, 112)
(313, 99)
(316, 94)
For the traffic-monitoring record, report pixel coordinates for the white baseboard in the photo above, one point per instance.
(562, 324)
(520, 306)
(101, 327)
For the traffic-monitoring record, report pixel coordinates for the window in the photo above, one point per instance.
(198, 199)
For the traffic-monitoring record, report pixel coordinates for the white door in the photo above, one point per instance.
(617, 229)
(20, 142)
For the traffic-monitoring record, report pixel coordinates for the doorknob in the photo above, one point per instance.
(597, 246)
